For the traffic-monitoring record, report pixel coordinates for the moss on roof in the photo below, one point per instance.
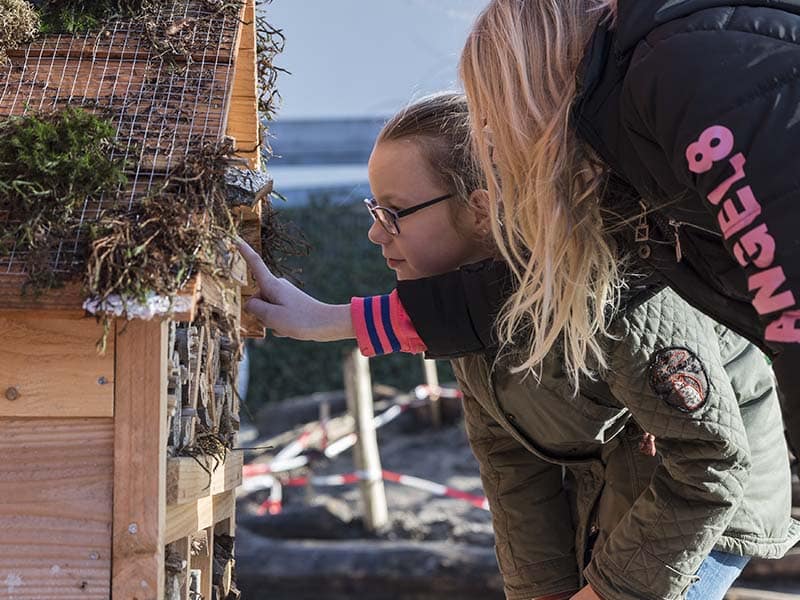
(50, 166)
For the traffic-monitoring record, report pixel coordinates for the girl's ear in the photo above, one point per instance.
(480, 211)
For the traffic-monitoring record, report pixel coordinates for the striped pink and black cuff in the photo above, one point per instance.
(382, 326)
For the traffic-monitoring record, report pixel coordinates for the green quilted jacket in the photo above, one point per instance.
(574, 499)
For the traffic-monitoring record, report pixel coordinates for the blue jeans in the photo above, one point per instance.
(717, 573)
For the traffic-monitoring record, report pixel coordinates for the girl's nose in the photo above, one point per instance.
(378, 235)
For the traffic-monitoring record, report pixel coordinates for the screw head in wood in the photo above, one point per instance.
(12, 393)
(133, 529)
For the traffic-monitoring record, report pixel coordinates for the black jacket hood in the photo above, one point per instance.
(636, 18)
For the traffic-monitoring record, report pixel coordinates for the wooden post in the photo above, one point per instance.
(366, 456)
(203, 561)
(432, 380)
(140, 461)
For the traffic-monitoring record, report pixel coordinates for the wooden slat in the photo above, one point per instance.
(185, 549)
(204, 562)
(140, 461)
(221, 295)
(251, 327)
(250, 230)
(67, 298)
(226, 526)
(188, 481)
(185, 519)
(51, 368)
(242, 115)
(238, 272)
(55, 508)
(244, 83)
(70, 299)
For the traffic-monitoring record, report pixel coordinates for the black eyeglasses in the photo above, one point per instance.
(388, 217)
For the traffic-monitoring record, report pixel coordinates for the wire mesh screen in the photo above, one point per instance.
(164, 104)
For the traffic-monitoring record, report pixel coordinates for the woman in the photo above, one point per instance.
(677, 121)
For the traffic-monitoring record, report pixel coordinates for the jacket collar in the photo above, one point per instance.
(637, 18)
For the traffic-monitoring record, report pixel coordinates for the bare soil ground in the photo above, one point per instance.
(433, 548)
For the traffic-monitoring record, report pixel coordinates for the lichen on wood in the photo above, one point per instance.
(19, 23)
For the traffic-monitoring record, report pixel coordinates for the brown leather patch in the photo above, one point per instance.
(677, 376)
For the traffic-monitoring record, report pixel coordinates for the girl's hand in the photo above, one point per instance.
(587, 593)
(290, 312)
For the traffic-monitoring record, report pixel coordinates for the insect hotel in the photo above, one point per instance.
(129, 155)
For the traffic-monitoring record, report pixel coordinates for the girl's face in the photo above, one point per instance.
(429, 242)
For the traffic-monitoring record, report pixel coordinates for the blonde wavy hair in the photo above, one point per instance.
(519, 68)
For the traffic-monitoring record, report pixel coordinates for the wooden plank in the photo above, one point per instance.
(191, 293)
(67, 298)
(250, 230)
(220, 294)
(51, 368)
(432, 381)
(177, 565)
(238, 272)
(242, 112)
(140, 461)
(188, 481)
(244, 82)
(366, 457)
(243, 117)
(226, 526)
(251, 327)
(204, 562)
(55, 508)
(249, 216)
(210, 377)
(185, 519)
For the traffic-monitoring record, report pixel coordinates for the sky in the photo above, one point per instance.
(353, 58)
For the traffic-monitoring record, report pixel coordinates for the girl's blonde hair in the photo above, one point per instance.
(519, 69)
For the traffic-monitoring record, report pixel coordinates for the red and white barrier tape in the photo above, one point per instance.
(431, 487)
(424, 392)
(288, 459)
(274, 504)
(260, 475)
(296, 447)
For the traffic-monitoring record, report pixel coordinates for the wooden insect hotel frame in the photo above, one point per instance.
(103, 493)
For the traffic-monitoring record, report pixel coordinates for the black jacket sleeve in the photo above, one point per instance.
(715, 111)
(454, 313)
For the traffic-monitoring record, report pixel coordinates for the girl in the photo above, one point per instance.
(634, 525)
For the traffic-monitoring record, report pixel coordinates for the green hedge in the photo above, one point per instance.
(342, 263)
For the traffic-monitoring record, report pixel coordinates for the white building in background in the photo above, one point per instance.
(353, 63)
